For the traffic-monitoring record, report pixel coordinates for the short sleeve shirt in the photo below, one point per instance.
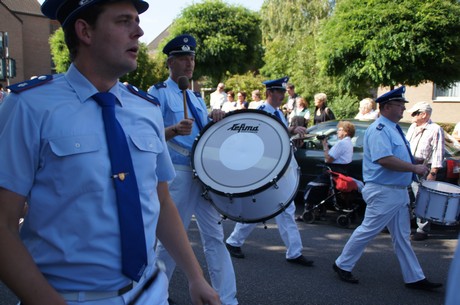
(56, 155)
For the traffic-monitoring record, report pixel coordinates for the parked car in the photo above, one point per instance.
(311, 154)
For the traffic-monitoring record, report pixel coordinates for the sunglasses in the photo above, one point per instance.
(416, 113)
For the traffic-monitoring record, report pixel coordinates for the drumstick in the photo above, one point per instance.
(183, 84)
(160, 267)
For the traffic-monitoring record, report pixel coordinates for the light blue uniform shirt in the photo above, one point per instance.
(269, 108)
(53, 150)
(382, 139)
(172, 107)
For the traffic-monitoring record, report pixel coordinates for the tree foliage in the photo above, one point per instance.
(387, 42)
(289, 38)
(59, 51)
(228, 38)
(147, 73)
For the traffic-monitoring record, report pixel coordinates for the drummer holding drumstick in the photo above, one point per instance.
(185, 114)
(426, 140)
(276, 90)
(388, 170)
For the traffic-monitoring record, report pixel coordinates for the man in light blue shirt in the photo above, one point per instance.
(289, 232)
(387, 171)
(55, 157)
(182, 125)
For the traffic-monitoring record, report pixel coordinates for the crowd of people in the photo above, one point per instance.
(137, 196)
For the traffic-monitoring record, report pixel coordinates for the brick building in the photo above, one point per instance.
(445, 103)
(28, 33)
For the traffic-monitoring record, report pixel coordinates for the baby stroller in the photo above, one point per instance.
(338, 191)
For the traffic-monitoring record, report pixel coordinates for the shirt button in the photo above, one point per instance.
(77, 145)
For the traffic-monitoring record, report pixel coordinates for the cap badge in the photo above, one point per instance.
(185, 48)
(83, 2)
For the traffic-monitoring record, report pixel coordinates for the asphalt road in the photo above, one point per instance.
(265, 278)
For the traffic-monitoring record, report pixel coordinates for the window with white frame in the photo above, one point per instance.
(447, 94)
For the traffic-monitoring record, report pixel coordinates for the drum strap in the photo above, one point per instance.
(179, 149)
(401, 133)
(194, 112)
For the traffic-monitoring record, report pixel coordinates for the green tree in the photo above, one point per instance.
(59, 51)
(290, 42)
(228, 38)
(148, 72)
(369, 43)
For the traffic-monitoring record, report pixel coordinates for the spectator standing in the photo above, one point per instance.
(218, 97)
(387, 172)
(230, 104)
(300, 116)
(426, 140)
(291, 101)
(276, 90)
(186, 191)
(322, 112)
(89, 238)
(256, 100)
(366, 110)
(241, 102)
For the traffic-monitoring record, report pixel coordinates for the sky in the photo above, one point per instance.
(161, 13)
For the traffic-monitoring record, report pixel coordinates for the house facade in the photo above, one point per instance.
(445, 103)
(27, 32)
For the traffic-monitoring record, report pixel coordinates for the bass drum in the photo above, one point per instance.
(245, 162)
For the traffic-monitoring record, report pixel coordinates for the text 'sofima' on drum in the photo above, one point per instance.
(246, 165)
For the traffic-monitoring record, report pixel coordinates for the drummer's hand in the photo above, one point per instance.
(202, 293)
(184, 127)
(325, 142)
(420, 169)
(217, 115)
(300, 130)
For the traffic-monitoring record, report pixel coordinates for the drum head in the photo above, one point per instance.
(244, 153)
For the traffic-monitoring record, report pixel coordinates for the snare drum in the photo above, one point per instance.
(245, 161)
(438, 202)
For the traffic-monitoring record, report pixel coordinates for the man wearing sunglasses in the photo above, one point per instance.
(426, 140)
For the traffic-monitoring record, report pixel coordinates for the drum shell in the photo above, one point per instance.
(438, 202)
(263, 205)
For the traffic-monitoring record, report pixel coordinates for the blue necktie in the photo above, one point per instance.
(133, 247)
(194, 112)
(414, 176)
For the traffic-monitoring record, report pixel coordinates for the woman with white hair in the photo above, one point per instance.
(322, 112)
(367, 110)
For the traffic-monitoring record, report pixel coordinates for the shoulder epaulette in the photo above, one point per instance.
(380, 126)
(197, 94)
(143, 95)
(28, 84)
(160, 85)
(261, 107)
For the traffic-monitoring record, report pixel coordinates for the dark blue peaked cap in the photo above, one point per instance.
(181, 45)
(66, 11)
(393, 95)
(278, 84)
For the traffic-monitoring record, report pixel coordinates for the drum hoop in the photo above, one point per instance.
(263, 219)
(253, 191)
(432, 190)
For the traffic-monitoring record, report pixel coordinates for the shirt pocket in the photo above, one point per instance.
(145, 154)
(75, 164)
